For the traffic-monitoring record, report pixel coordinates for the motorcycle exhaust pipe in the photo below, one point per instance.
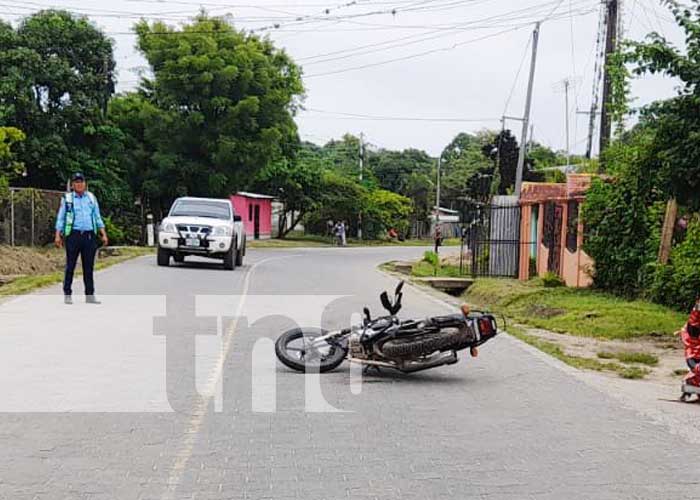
(439, 360)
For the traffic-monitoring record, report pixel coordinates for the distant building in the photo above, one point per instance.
(551, 231)
(256, 211)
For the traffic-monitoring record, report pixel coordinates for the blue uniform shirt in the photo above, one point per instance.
(83, 207)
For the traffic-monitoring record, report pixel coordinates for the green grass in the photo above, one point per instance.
(424, 269)
(576, 361)
(680, 371)
(579, 312)
(631, 357)
(300, 240)
(26, 284)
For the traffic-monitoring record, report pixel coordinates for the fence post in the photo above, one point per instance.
(12, 217)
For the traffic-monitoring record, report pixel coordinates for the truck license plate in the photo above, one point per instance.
(192, 242)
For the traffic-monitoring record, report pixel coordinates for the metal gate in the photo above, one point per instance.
(493, 238)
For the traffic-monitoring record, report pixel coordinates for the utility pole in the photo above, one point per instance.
(566, 114)
(526, 118)
(437, 203)
(362, 167)
(612, 23)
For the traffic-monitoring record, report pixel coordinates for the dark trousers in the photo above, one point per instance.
(81, 243)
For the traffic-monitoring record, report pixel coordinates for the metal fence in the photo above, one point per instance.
(27, 216)
(491, 240)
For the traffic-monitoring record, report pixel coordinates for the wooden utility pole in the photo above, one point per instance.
(667, 231)
(612, 23)
(526, 118)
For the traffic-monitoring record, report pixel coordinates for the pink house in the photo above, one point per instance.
(256, 211)
(551, 230)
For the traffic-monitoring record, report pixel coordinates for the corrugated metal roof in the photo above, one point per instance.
(255, 195)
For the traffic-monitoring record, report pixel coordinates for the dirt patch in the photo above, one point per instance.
(668, 350)
(22, 261)
(543, 311)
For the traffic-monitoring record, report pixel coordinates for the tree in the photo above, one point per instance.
(56, 75)
(341, 198)
(225, 102)
(466, 172)
(384, 210)
(296, 184)
(504, 150)
(9, 136)
(676, 121)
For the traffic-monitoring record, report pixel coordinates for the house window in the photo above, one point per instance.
(572, 227)
(548, 234)
(250, 212)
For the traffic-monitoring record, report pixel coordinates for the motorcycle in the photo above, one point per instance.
(387, 342)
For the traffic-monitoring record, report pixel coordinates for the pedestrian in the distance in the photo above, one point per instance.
(77, 226)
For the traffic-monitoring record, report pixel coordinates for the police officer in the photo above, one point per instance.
(77, 226)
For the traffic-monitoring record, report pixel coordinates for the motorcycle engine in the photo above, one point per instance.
(355, 346)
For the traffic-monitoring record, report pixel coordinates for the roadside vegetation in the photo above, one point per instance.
(23, 270)
(581, 312)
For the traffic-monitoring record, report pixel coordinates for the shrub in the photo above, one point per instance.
(552, 280)
(115, 233)
(431, 258)
(678, 283)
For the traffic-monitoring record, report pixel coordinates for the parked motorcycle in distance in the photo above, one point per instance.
(388, 342)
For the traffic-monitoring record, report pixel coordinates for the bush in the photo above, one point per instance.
(114, 232)
(431, 258)
(552, 280)
(678, 283)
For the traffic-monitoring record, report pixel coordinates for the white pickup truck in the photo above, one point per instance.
(205, 227)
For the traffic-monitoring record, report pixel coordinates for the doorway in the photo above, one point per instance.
(256, 222)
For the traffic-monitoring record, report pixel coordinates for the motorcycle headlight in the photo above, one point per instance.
(221, 231)
(168, 228)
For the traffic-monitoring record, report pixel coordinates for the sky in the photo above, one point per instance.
(411, 73)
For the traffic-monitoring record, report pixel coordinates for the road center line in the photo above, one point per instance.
(199, 412)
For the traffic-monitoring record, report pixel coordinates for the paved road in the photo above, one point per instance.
(88, 397)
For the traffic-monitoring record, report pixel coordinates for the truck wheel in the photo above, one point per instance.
(230, 258)
(163, 257)
(239, 255)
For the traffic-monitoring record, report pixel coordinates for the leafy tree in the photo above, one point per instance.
(622, 217)
(225, 100)
(9, 136)
(341, 198)
(504, 150)
(466, 172)
(56, 75)
(677, 120)
(384, 210)
(296, 184)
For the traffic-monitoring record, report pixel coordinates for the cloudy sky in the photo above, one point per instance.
(410, 73)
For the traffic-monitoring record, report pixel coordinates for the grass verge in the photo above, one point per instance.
(580, 312)
(303, 241)
(628, 372)
(26, 284)
(642, 358)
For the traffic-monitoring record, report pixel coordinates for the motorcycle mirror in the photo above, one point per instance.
(397, 304)
(399, 287)
(384, 297)
(367, 314)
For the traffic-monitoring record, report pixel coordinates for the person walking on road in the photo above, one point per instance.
(77, 226)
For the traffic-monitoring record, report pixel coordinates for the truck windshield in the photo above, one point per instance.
(202, 208)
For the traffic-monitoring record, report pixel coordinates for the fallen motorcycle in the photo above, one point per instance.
(388, 342)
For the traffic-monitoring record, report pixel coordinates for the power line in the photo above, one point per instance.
(402, 118)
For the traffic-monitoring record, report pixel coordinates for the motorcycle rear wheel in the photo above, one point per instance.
(423, 345)
(301, 358)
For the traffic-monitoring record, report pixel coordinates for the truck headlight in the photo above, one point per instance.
(222, 231)
(168, 228)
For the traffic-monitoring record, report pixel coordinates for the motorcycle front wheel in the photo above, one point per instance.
(295, 350)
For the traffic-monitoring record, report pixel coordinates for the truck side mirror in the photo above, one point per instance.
(237, 218)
